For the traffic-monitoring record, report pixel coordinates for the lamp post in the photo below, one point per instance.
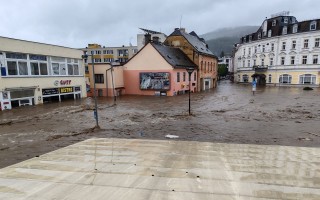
(190, 70)
(85, 57)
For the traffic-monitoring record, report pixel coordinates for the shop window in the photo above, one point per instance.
(285, 78)
(307, 79)
(245, 78)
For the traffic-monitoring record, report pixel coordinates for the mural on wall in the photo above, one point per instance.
(154, 81)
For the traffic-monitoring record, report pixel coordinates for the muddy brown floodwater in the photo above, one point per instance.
(227, 114)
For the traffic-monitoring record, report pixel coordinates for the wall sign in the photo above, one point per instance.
(154, 81)
(66, 90)
(62, 82)
(50, 91)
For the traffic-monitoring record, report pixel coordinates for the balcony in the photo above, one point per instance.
(260, 68)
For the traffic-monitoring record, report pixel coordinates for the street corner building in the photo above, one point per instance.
(159, 70)
(283, 52)
(35, 73)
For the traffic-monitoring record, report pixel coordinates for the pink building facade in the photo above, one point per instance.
(159, 70)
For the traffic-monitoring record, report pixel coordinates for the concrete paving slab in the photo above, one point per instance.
(102, 168)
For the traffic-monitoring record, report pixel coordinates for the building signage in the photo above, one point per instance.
(50, 91)
(154, 81)
(77, 89)
(66, 90)
(62, 82)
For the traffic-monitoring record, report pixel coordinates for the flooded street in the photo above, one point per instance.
(228, 114)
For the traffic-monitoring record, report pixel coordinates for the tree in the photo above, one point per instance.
(222, 54)
(222, 70)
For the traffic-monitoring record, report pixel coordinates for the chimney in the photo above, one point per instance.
(147, 38)
(183, 30)
(156, 39)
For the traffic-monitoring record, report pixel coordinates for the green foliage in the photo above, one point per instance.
(222, 70)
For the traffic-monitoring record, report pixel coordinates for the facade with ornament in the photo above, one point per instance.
(283, 51)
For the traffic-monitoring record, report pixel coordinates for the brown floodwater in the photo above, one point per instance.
(227, 114)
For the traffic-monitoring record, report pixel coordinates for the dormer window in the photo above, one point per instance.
(250, 38)
(259, 36)
(269, 33)
(295, 28)
(284, 30)
(285, 20)
(313, 25)
(274, 22)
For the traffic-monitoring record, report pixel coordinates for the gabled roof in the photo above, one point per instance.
(174, 56)
(194, 40)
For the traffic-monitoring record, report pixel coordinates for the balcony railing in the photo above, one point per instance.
(260, 68)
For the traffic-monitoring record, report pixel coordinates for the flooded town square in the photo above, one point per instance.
(283, 116)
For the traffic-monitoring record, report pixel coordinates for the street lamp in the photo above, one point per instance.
(190, 70)
(85, 57)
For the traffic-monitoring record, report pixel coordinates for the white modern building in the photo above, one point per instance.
(35, 73)
(149, 35)
(283, 51)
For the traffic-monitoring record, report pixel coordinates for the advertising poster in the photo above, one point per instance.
(155, 81)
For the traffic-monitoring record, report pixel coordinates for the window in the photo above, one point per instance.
(250, 38)
(269, 33)
(304, 59)
(274, 22)
(249, 63)
(12, 68)
(178, 77)
(307, 79)
(184, 76)
(284, 30)
(285, 20)
(244, 51)
(295, 28)
(294, 44)
(255, 49)
(123, 52)
(263, 48)
(285, 78)
(313, 25)
(108, 60)
(315, 59)
(271, 61)
(248, 53)
(245, 78)
(259, 36)
(272, 46)
(195, 76)
(99, 78)
(97, 60)
(38, 65)
(282, 60)
(283, 45)
(104, 51)
(306, 43)
(316, 43)
(58, 65)
(98, 52)
(73, 67)
(254, 62)
(292, 60)
(270, 78)
(243, 63)
(262, 62)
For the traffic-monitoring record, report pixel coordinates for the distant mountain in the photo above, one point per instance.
(224, 39)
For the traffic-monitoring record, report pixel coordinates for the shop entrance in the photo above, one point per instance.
(260, 78)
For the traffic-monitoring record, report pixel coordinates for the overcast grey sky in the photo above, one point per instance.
(75, 23)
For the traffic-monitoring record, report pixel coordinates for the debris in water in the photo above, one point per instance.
(172, 136)
(305, 139)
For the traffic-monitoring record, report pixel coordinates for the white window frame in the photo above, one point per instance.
(313, 26)
(284, 30)
(285, 79)
(294, 44)
(295, 28)
(317, 42)
(303, 77)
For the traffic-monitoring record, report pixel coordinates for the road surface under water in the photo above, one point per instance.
(227, 114)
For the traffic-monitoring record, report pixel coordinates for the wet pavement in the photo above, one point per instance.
(101, 168)
(229, 114)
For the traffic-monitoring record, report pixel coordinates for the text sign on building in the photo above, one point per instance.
(154, 81)
(66, 90)
(62, 82)
(50, 91)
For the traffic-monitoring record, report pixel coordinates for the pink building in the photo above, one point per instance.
(159, 70)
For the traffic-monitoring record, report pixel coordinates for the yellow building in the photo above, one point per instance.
(34, 73)
(197, 51)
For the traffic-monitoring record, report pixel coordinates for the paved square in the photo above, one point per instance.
(116, 169)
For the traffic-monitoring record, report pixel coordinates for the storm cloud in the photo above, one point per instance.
(75, 23)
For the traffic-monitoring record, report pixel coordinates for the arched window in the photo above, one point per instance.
(285, 78)
(307, 79)
(245, 78)
(284, 30)
(295, 28)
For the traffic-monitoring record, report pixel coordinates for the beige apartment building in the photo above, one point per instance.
(34, 73)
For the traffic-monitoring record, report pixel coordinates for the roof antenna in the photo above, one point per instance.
(180, 20)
